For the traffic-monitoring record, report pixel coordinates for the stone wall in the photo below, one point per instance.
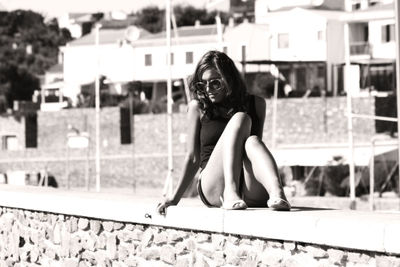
(32, 238)
(15, 126)
(299, 121)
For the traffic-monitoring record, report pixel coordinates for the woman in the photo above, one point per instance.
(224, 139)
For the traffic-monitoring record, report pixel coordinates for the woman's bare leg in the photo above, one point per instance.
(261, 172)
(222, 173)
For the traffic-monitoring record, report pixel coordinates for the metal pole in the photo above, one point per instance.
(274, 112)
(372, 176)
(169, 181)
(97, 108)
(349, 116)
(397, 23)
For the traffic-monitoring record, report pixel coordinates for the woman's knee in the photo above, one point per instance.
(252, 142)
(241, 120)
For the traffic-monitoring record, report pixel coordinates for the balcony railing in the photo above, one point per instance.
(360, 48)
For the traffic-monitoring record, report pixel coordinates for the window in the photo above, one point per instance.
(147, 60)
(243, 52)
(189, 57)
(283, 40)
(9, 142)
(321, 72)
(388, 33)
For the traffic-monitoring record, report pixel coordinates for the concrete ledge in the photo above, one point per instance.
(359, 230)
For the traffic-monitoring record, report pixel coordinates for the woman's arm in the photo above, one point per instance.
(260, 108)
(192, 158)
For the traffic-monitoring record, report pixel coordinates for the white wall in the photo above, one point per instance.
(114, 61)
(302, 27)
(158, 70)
(380, 49)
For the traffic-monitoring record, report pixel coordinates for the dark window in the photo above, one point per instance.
(147, 60)
(189, 57)
(125, 126)
(31, 130)
(388, 33)
(321, 71)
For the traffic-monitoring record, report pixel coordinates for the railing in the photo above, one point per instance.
(360, 48)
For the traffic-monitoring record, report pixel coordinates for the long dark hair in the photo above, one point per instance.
(236, 91)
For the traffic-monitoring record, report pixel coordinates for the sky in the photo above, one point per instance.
(55, 8)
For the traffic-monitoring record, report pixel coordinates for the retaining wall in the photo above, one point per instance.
(48, 227)
(144, 162)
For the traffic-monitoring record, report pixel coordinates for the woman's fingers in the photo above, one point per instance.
(161, 207)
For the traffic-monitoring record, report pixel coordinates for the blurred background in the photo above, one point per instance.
(314, 62)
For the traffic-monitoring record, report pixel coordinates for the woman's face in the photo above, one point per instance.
(213, 85)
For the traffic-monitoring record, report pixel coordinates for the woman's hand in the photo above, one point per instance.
(164, 204)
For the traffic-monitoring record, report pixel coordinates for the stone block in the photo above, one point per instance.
(72, 224)
(129, 226)
(123, 253)
(275, 244)
(101, 241)
(200, 261)
(95, 226)
(147, 237)
(125, 236)
(190, 244)
(65, 241)
(83, 224)
(89, 257)
(160, 238)
(89, 240)
(76, 246)
(57, 234)
(387, 261)
(219, 258)
(291, 246)
(34, 255)
(131, 262)
(336, 256)
(118, 226)
(183, 261)
(356, 257)
(206, 249)
(174, 235)
(202, 237)
(137, 234)
(218, 241)
(168, 255)
(108, 226)
(111, 246)
(274, 256)
(258, 245)
(180, 248)
(150, 254)
(316, 252)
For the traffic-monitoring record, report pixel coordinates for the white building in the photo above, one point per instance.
(113, 58)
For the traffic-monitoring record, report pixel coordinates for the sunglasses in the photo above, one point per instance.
(213, 85)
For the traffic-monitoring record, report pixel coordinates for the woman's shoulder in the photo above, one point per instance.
(194, 107)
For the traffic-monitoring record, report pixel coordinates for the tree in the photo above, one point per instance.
(28, 47)
(151, 19)
(187, 16)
